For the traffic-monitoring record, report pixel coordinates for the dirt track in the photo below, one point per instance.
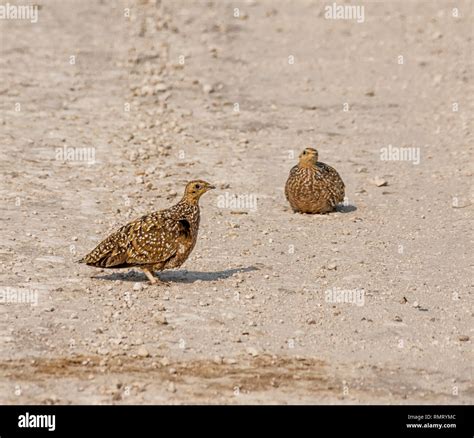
(150, 103)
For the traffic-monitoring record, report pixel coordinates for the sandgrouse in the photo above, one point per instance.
(157, 241)
(313, 187)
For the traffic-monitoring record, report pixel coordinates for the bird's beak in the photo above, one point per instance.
(209, 187)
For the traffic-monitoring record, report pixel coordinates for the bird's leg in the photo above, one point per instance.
(154, 279)
(149, 275)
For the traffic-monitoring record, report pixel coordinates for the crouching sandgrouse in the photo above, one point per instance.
(157, 241)
(313, 187)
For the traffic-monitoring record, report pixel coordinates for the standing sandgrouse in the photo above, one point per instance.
(160, 240)
(313, 187)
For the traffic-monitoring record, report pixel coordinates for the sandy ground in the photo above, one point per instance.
(178, 90)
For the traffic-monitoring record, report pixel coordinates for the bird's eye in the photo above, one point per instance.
(304, 152)
(198, 186)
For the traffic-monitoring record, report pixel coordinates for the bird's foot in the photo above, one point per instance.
(159, 282)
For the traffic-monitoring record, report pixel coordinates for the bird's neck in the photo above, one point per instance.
(189, 200)
(307, 164)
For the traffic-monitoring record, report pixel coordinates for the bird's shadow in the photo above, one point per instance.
(346, 208)
(183, 276)
(340, 208)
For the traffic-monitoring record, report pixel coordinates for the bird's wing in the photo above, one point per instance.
(293, 171)
(335, 186)
(150, 239)
(156, 238)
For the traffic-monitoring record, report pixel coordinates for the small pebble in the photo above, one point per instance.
(379, 182)
(252, 351)
(161, 320)
(207, 88)
(143, 352)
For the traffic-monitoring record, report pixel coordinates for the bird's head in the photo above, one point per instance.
(309, 156)
(195, 189)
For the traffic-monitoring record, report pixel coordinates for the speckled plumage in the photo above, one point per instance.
(313, 187)
(160, 240)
